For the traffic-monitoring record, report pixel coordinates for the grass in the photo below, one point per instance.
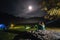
(10, 36)
(23, 28)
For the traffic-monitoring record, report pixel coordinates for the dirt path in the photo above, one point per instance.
(54, 29)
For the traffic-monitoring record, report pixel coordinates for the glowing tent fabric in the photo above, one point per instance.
(2, 26)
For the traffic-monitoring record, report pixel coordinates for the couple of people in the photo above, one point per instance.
(41, 26)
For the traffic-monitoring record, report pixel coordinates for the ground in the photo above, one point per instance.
(10, 36)
(53, 29)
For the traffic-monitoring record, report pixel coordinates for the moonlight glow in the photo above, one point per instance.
(30, 7)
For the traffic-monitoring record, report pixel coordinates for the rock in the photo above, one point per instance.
(39, 35)
(46, 35)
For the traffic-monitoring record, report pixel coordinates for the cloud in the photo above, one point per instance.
(36, 13)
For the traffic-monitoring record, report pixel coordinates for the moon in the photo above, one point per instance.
(30, 7)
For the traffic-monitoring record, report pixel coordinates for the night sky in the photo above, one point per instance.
(20, 8)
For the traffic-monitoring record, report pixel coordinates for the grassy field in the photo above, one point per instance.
(28, 28)
(22, 28)
(10, 36)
